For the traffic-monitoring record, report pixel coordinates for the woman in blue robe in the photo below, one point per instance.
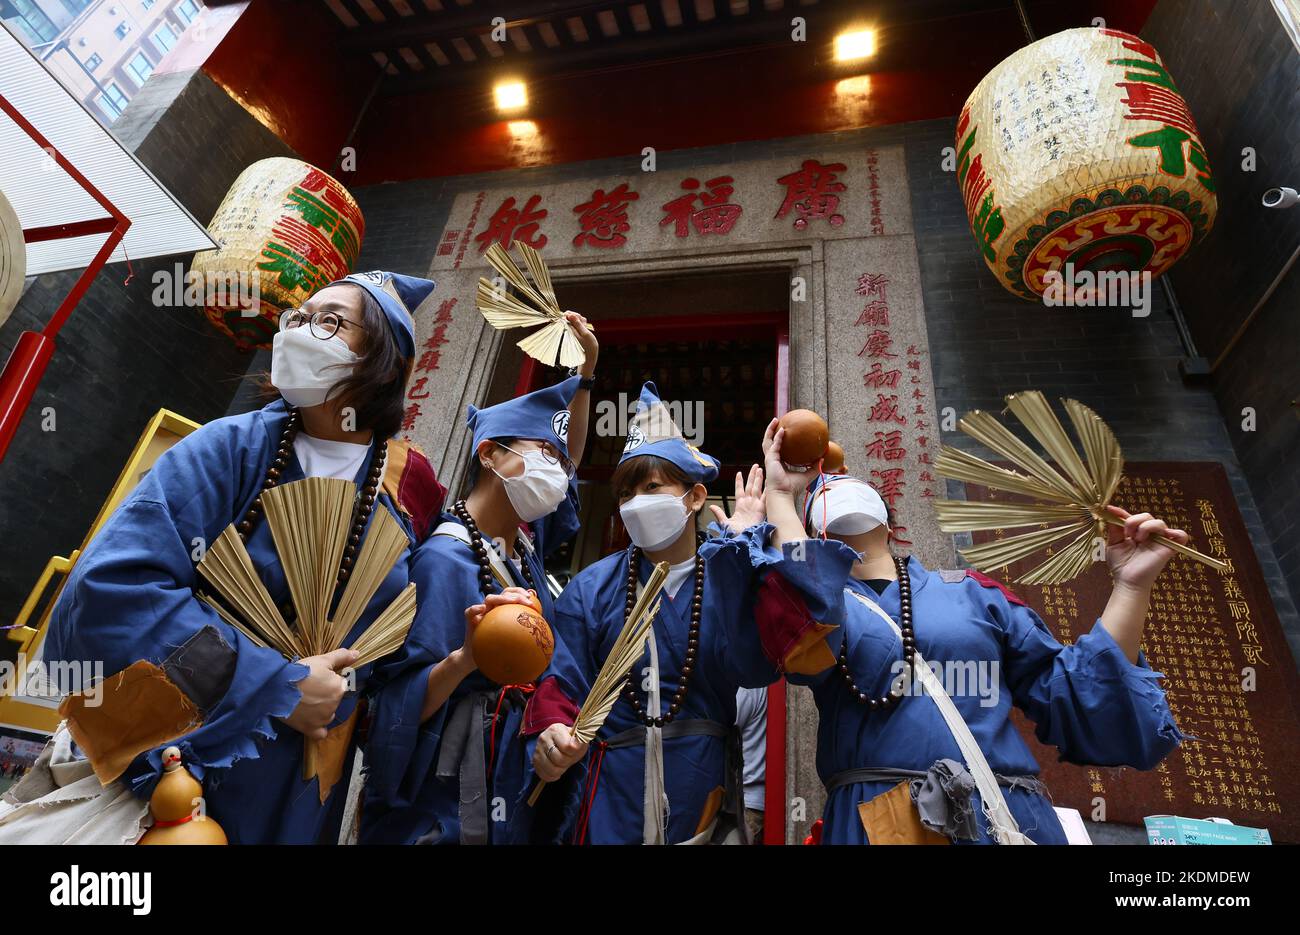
(339, 370)
(1096, 700)
(674, 727)
(448, 750)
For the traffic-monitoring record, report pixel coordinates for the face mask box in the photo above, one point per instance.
(1171, 829)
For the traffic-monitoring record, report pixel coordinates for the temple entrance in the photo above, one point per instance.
(723, 369)
(725, 365)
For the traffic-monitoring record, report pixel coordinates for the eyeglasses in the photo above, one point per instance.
(324, 325)
(551, 455)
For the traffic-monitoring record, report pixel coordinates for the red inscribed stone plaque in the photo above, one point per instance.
(1206, 632)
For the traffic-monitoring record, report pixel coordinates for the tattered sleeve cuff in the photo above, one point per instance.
(792, 639)
(1133, 687)
(546, 706)
(146, 706)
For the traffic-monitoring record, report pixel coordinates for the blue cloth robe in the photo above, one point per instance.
(1086, 699)
(732, 655)
(130, 596)
(406, 801)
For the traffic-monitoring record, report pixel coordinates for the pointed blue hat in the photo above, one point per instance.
(652, 431)
(542, 414)
(399, 296)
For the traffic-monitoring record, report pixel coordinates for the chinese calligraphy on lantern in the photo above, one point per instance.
(1150, 94)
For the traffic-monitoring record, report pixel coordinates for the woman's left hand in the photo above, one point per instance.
(749, 509)
(1135, 559)
(780, 478)
(557, 749)
(587, 338)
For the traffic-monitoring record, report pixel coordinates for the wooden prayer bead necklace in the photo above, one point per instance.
(895, 693)
(366, 496)
(692, 639)
(485, 578)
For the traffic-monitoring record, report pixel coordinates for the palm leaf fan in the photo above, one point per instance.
(556, 344)
(627, 649)
(1070, 492)
(310, 521)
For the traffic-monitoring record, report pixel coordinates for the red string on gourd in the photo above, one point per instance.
(527, 689)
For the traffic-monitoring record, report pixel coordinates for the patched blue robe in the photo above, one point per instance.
(1086, 699)
(130, 596)
(414, 770)
(735, 651)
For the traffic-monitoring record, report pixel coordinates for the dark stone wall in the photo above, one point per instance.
(1240, 74)
(119, 358)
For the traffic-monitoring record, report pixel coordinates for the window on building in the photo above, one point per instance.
(146, 4)
(187, 11)
(140, 68)
(122, 29)
(112, 102)
(30, 20)
(76, 6)
(164, 38)
(94, 62)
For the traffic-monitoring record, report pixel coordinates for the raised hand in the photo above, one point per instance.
(1134, 557)
(781, 478)
(749, 509)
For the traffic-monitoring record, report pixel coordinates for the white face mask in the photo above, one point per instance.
(655, 520)
(846, 508)
(304, 368)
(539, 489)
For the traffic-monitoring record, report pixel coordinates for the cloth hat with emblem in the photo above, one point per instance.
(868, 500)
(652, 431)
(399, 296)
(542, 414)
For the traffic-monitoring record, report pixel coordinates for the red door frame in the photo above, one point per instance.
(699, 328)
(774, 778)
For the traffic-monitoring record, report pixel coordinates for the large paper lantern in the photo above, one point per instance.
(1079, 149)
(288, 227)
(13, 259)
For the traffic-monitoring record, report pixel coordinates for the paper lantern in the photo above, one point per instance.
(1079, 149)
(285, 226)
(13, 259)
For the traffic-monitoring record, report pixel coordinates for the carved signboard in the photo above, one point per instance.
(1229, 674)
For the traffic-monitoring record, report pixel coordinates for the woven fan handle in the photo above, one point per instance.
(310, 754)
(541, 783)
(1220, 566)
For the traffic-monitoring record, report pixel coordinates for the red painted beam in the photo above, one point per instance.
(26, 365)
(774, 798)
(74, 229)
